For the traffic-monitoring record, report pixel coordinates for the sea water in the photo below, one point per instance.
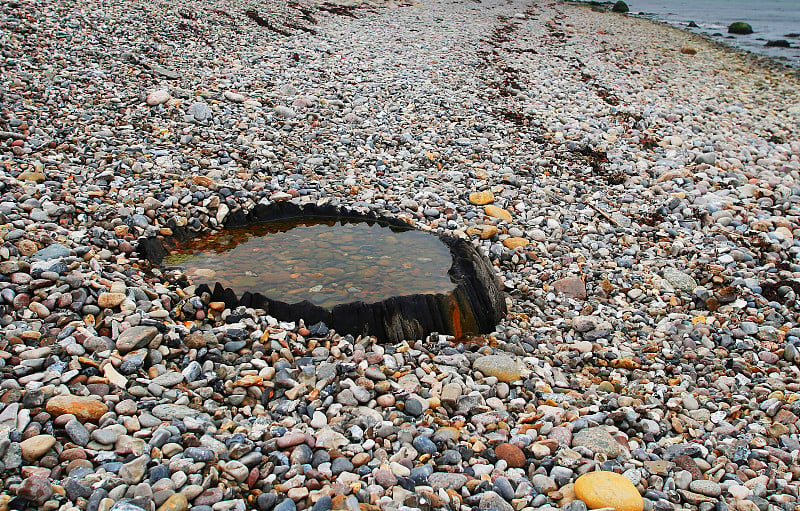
(771, 20)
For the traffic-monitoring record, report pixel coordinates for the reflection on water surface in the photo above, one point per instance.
(322, 261)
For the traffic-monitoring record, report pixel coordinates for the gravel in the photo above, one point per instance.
(636, 200)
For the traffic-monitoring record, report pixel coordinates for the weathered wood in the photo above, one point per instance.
(475, 306)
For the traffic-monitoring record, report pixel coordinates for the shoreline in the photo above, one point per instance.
(767, 61)
(646, 229)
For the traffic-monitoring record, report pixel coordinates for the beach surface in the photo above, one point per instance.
(641, 206)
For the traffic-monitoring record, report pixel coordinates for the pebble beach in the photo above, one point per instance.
(636, 187)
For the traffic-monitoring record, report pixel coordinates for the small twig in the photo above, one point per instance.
(603, 214)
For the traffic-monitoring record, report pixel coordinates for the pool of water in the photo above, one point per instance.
(326, 262)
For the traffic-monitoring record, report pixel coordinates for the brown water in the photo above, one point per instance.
(322, 261)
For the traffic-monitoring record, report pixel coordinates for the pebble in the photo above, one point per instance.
(481, 198)
(176, 502)
(83, 408)
(135, 337)
(706, 487)
(502, 367)
(491, 500)
(35, 489)
(497, 212)
(444, 480)
(597, 440)
(158, 97)
(36, 446)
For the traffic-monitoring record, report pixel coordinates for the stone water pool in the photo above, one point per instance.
(326, 262)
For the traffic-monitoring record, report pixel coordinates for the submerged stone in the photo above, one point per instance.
(740, 27)
(620, 6)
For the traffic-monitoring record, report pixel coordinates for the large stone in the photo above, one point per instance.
(34, 447)
(77, 432)
(284, 111)
(290, 440)
(620, 6)
(503, 367)
(169, 74)
(481, 198)
(497, 212)
(597, 440)
(203, 181)
(706, 487)
(512, 455)
(200, 111)
(450, 394)
(234, 97)
(740, 27)
(608, 490)
(84, 408)
(53, 251)
(492, 501)
(35, 177)
(169, 379)
(135, 337)
(195, 340)
(114, 377)
(584, 323)
(327, 438)
(8, 417)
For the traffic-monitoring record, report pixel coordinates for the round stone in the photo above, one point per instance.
(414, 407)
(484, 232)
(512, 455)
(608, 490)
(157, 97)
(597, 440)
